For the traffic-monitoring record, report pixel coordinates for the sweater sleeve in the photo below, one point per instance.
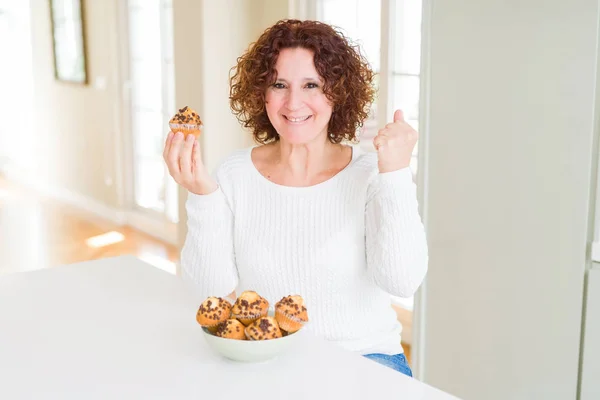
(208, 256)
(396, 243)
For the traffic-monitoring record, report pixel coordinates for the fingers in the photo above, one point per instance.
(196, 157)
(168, 141)
(185, 159)
(380, 142)
(398, 116)
(172, 154)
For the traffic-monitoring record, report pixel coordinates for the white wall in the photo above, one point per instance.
(509, 182)
(60, 136)
(75, 126)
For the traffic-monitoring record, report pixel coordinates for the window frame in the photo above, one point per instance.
(384, 102)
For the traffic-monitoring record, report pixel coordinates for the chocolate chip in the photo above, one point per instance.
(264, 325)
(221, 329)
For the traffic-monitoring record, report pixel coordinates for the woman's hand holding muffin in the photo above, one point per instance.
(183, 155)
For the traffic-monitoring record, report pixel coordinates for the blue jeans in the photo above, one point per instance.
(396, 362)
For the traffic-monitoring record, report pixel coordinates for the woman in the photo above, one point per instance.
(304, 213)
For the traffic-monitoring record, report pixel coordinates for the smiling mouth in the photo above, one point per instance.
(297, 120)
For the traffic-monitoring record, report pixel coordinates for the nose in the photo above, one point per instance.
(294, 99)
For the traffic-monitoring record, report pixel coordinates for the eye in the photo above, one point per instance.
(312, 85)
(278, 85)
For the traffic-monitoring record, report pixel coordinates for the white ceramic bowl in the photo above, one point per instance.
(250, 350)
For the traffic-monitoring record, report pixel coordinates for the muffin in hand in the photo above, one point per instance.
(186, 121)
(212, 312)
(263, 329)
(290, 313)
(249, 307)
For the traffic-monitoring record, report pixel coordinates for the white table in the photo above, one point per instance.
(122, 329)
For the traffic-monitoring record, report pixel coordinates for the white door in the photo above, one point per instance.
(152, 102)
(590, 366)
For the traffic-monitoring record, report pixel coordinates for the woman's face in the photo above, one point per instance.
(295, 103)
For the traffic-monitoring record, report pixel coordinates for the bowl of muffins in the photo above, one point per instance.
(250, 330)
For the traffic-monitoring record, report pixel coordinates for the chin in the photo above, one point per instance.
(298, 139)
(301, 136)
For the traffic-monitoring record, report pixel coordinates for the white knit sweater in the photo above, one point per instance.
(344, 245)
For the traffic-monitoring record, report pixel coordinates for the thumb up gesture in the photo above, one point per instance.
(395, 143)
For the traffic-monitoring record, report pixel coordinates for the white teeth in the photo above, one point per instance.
(299, 119)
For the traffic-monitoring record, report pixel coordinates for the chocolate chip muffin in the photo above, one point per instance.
(231, 329)
(186, 121)
(263, 329)
(212, 312)
(290, 313)
(249, 307)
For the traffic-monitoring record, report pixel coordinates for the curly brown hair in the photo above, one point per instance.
(348, 79)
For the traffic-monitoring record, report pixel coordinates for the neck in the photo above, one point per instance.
(305, 160)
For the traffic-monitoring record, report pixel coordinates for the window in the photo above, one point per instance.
(152, 103)
(16, 88)
(389, 34)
